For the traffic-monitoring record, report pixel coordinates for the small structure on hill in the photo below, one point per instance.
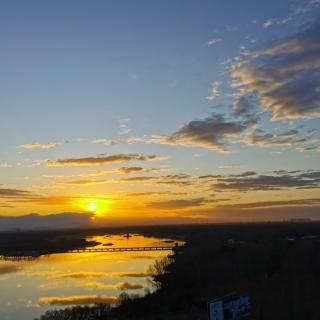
(229, 307)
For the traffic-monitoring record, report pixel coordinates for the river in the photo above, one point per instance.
(32, 286)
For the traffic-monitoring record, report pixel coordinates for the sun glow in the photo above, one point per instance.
(94, 205)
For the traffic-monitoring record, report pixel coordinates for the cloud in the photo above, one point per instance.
(229, 166)
(279, 203)
(96, 173)
(244, 174)
(90, 161)
(123, 126)
(176, 204)
(153, 193)
(121, 170)
(309, 149)
(14, 193)
(245, 107)
(5, 165)
(284, 76)
(214, 41)
(210, 133)
(126, 170)
(214, 90)
(175, 179)
(174, 182)
(305, 7)
(77, 300)
(107, 142)
(85, 182)
(136, 179)
(268, 23)
(37, 145)
(253, 182)
(286, 138)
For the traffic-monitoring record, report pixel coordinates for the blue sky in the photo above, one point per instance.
(139, 73)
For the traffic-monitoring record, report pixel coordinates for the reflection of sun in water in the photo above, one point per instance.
(95, 205)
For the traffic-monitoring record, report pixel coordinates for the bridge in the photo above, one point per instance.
(84, 250)
(36, 253)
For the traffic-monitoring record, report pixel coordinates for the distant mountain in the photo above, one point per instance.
(52, 221)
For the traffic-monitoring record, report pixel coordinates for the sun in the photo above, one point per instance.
(97, 206)
(92, 206)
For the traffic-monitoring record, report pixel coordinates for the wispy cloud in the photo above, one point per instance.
(214, 41)
(14, 193)
(264, 182)
(176, 204)
(268, 23)
(5, 165)
(278, 203)
(106, 142)
(91, 161)
(214, 90)
(286, 138)
(309, 149)
(229, 166)
(124, 127)
(37, 145)
(85, 182)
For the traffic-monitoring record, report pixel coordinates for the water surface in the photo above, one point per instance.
(30, 287)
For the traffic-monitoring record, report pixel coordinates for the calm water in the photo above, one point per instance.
(29, 288)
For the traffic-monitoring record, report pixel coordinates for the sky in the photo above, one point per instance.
(159, 112)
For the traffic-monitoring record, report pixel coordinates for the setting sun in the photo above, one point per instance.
(94, 205)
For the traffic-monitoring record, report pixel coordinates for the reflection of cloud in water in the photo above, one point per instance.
(9, 268)
(143, 257)
(30, 304)
(52, 285)
(133, 274)
(117, 286)
(77, 300)
(83, 275)
(80, 275)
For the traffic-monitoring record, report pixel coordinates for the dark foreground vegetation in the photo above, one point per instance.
(276, 264)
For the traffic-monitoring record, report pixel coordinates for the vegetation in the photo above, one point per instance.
(277, 265)
(100, 311)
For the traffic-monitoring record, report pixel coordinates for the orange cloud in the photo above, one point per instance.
(89, 161)
(37, 145)
(85, 182)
